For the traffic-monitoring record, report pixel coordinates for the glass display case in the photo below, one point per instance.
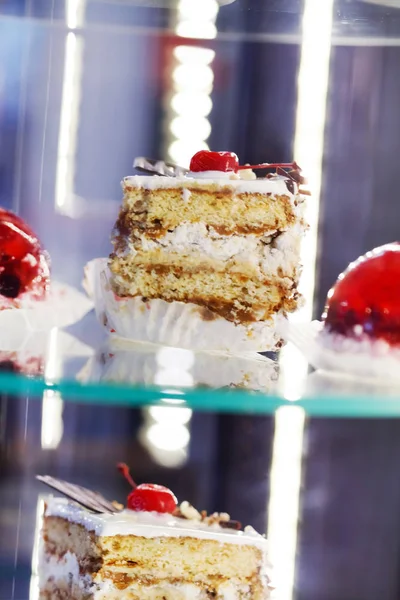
(306, 456)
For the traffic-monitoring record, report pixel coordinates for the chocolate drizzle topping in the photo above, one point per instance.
(290, 171)
(86, 498)
(158, 167)
(98, 504)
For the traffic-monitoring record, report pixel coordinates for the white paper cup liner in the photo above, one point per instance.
(63, 306)
(127, 362)
(371, 360)
(172, 323)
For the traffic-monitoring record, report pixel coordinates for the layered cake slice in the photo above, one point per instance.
(150, 551)
(219, 241)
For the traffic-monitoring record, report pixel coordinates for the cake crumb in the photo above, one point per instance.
(206, 314)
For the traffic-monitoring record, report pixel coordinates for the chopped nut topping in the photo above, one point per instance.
(189, 512)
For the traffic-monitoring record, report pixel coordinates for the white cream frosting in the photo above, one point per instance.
(212, 175)
(244, 174)
(274, 185)
(197, 239)
(149, 524)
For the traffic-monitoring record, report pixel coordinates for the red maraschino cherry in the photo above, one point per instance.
(205, 160)
(365, 301)
(148, 497)
(23, 265)
(228, 162)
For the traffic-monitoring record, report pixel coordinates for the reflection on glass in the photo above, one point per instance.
(70, 100)
(283, 507)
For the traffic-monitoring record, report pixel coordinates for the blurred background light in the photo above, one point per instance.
(191, 103)
(180, 151)
(199, 78)
(52, 428)
(165, 414)
(171, 437)
(200, 11)
(308, 150)
(69, 111)
(192, 79)
(194, 55)
(190, 29)
(283, 507)
(186, 127)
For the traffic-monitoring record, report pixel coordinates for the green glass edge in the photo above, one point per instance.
(203, 399)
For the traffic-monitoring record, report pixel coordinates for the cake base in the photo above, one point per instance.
(178, 324)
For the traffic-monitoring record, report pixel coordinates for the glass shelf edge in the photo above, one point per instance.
(205, 400)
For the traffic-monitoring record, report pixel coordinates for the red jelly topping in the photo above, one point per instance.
(214, 161)
(23, 265)
(365, 301)
(148, 497)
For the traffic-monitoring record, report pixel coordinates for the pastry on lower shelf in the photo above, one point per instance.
(154, 550)
(208, 260)
(149, 364)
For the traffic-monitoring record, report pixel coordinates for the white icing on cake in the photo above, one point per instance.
(149, 525)
(275, 185)
(212, 175)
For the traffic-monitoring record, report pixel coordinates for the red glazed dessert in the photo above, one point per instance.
(24, 266)
(364, 304)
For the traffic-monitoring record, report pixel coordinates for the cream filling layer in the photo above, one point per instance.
(190, 239)
(64, 568)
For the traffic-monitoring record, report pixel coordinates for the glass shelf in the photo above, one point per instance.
(96, 370)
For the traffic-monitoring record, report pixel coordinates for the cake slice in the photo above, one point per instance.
(224, 243)
(148, 556)
(154, 550)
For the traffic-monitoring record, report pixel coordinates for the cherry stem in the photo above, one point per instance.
(124, 470)
(291, 165)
